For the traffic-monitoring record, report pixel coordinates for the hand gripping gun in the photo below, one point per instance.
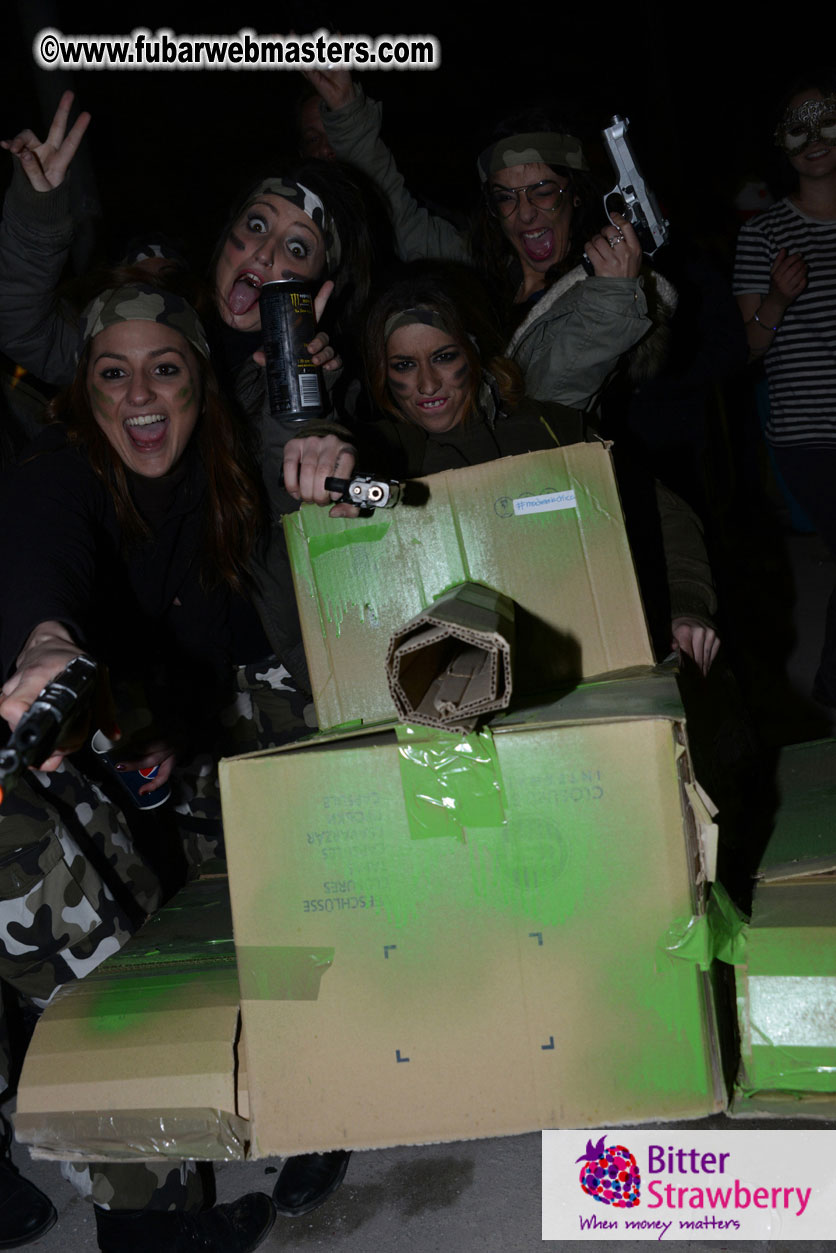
(631, 195)
(48, 718)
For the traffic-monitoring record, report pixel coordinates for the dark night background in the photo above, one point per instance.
(171, 149)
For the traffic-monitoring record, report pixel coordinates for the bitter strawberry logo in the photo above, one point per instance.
(610, 1175)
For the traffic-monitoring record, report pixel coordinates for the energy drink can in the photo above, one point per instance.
(288, 324)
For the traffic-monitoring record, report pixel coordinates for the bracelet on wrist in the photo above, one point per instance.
(765, 325)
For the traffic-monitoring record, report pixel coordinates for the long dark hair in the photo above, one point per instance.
(456, 293)
(494, 254)
(234, 512)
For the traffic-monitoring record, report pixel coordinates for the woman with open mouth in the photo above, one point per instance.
(134, 514)
(537, 216)
(309, 225)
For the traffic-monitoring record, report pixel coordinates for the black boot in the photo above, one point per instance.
(234, 1228)
(308, 1180)
(25, 1213)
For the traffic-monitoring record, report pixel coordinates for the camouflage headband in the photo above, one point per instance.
(311, 206)
(533, 148)
(137, 302)
(422, 315)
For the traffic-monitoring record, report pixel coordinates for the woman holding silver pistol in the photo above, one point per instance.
(538, 214)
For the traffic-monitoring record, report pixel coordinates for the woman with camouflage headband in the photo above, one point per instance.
(446, 398)
(134, 516)
(535, 220)
(311, 224)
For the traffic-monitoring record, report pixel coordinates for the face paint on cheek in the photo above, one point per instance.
(100, 403)
(398, 385)
(461, 374)
(237, 243)
(185, 395)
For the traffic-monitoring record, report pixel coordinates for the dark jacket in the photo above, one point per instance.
(149, 608)
(665, 533)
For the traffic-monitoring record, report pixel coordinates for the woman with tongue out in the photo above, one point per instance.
(310, 225)
(536, 218)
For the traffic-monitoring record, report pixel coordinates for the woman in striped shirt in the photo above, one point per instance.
(785, 283)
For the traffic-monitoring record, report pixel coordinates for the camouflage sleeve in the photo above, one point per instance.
(354, 132)
(36, 233)
(72, 887)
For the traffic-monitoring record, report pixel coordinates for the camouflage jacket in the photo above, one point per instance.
(145, 607)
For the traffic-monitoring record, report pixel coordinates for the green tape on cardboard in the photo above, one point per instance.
(718, 933)
(451, 782)
(282, 972)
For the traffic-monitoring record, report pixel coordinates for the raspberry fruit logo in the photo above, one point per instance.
(610, 1175)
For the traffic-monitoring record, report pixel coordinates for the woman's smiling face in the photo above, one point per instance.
(271, 239)
(145, 393)
(429, 377)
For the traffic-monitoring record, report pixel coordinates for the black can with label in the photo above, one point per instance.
(288, 324)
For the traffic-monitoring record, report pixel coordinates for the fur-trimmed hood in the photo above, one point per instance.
(646, 358)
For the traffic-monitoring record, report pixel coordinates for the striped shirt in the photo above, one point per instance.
(801, 363)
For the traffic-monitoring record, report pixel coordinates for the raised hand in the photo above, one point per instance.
(616, 252)
(46, 164)
(334, 86)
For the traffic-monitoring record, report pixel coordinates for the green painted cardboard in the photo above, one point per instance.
(443, 937)
(545, 529)
(138, 1059)
(786, 981)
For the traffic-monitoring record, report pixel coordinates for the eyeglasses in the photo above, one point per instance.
(503, 201)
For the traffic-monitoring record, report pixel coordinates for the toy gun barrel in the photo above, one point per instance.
(366, 491)
(640, 205)
(52, 713)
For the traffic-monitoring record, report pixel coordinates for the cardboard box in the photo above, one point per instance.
(545, 529)
(786, 978)
(443, 937)
(139, 1058)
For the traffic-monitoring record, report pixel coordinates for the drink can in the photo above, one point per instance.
(131, 780)
(288, 324)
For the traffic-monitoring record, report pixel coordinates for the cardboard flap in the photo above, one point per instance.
(139, 1057)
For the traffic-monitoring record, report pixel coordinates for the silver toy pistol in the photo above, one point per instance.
(366, 491)
(631, 195)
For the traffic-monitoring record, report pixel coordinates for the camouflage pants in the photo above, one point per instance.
(73, 889)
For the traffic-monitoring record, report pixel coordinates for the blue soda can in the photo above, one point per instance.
(131, 780)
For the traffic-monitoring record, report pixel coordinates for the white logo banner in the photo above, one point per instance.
(689, 1185)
